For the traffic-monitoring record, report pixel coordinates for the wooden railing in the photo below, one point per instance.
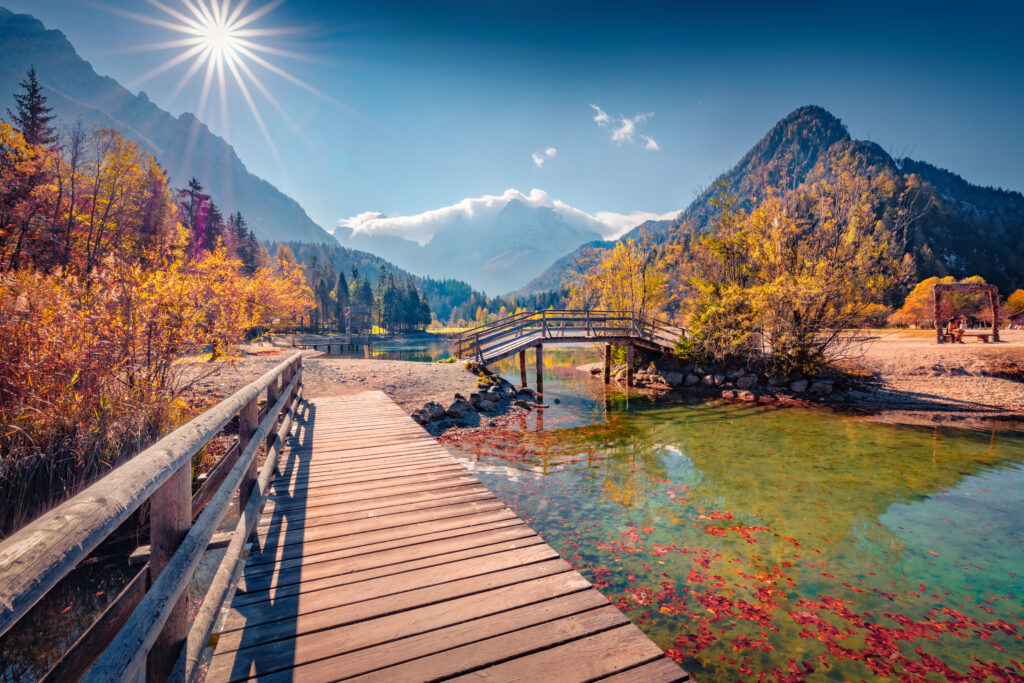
(146, 627)
(503, 337)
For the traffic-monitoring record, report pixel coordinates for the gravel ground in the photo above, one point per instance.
(409, 384)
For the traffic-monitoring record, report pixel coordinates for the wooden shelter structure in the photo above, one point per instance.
(965, 288)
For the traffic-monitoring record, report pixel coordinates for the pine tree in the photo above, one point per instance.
(33, 117)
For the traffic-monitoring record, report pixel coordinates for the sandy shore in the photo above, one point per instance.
(918, 381)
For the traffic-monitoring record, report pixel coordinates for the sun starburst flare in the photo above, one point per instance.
(220, 42)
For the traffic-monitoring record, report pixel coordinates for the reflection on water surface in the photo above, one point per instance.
(797, 542)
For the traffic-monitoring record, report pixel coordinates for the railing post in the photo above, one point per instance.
(273, 393)
(170, 516)
(248, 421)
(544, 324)
(522, 367)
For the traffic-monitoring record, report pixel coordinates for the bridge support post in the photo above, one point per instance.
(540, 368)
(629, 365)
(170, 515)
(522, 368)
(607, 363)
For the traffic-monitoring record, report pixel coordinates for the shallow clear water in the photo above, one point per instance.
(746, 539)
(426, 350)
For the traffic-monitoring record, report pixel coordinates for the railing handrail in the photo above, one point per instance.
(563, 322)
(35, 558)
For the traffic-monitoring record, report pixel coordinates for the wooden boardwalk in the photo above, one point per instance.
(380, 557)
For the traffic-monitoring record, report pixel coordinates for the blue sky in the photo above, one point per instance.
(427, 103)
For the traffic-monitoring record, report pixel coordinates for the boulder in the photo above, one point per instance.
(435, 410)
(708, 381)
(728, 393)
(672, 378)
(799, 386)
(778, 381)
(420, 417)
(735, 374)
(526, 394)
(691, 380)
(746, 396)
(486, 406)
(746, 381)
(459, 409)
(821, 388)
(718, 379)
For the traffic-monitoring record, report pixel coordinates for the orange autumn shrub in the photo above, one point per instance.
(100, 299)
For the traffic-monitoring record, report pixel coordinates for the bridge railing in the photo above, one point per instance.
(554, 324)
(147, 624)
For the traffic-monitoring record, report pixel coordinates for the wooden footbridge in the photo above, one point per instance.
(363, 551)
(517, 333)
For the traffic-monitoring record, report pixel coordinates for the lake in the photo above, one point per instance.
(797, 542)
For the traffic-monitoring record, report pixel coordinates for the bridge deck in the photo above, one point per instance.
(382, 558)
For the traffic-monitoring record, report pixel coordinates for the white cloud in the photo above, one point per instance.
(624, 128)
(540, 157)
(421, 227)
(617, 224)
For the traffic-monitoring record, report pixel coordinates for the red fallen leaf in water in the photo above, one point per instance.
(66, 610)
(648, 530)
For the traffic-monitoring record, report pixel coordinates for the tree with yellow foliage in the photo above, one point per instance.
(777, 285)
(630, 277)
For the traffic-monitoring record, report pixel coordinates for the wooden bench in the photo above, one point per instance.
(985, 337)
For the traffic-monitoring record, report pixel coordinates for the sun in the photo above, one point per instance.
(222, 43)
(219, 38)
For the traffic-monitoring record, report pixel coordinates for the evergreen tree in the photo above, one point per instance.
(341, 299)
(33, 117)
(213, 228)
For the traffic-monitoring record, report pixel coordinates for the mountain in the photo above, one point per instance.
(495, 243)
(183, 145)
(553, 277)
(963, 229)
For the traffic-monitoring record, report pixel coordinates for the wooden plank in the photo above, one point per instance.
(361, 528)
(307, 609)
(598, 655)
(329, 514)
(463, 659)
(392, 557)
(331, 575)
(662, 670)
(286, 502)
(406, 648)
(462, 600)
(366, 505)
(276, 552)
(404, 544)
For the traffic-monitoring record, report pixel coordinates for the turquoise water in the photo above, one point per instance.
(794, 543)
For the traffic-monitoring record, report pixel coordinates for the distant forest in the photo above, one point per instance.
(451, 302)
